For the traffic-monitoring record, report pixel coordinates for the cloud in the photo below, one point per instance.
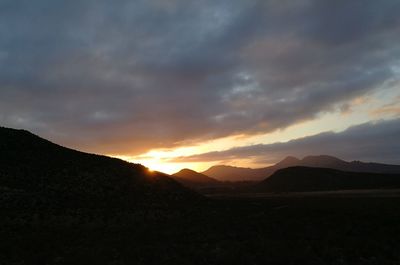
(130, 76)
(392, 108)
(376, 141)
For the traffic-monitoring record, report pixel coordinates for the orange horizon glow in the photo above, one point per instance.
(362, 110)
(157, 164)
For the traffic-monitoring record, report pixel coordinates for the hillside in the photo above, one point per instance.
(299, 179)
(39, 174)
(227, 173)
(193, 179)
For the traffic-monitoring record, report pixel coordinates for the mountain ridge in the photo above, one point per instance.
(223, 172)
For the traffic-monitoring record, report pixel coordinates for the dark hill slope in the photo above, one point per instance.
(37, 173)
(298, 179)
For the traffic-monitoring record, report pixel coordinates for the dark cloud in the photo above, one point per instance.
(367, 142)
(127, 76)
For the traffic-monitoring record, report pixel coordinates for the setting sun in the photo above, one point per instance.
(160, 163)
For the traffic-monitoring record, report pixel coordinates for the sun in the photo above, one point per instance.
(163, 167)
(160, 160)
(154, 164)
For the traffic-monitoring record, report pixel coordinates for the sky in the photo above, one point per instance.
(174, 84)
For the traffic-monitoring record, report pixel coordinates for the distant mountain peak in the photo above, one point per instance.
(289, 160)
(192, 178)
(231, 173)
(185, 170)
(321, 158)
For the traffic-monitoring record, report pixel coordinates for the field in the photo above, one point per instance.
(228, 230)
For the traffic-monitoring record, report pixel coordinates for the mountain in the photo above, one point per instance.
(322, 161)
(227, 173)
(193, 179)
(354, 166)
(302, 179)
(289, 161)
(36, 173)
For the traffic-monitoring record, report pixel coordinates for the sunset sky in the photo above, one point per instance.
(174, 84)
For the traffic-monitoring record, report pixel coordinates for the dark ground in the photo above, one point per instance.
(279, 230)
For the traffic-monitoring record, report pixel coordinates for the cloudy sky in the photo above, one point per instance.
(174, 84)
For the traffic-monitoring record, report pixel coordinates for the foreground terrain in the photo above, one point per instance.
(61, 206)
(279, 230)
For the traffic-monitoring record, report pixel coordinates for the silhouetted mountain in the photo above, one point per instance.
(193, 179)
(287, 162)
(37, 173)
(299, 179)
(227, 173)
(322, 161)
(354, 166)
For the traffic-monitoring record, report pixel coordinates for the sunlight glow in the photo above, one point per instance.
(160, 163)
(342, 116)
